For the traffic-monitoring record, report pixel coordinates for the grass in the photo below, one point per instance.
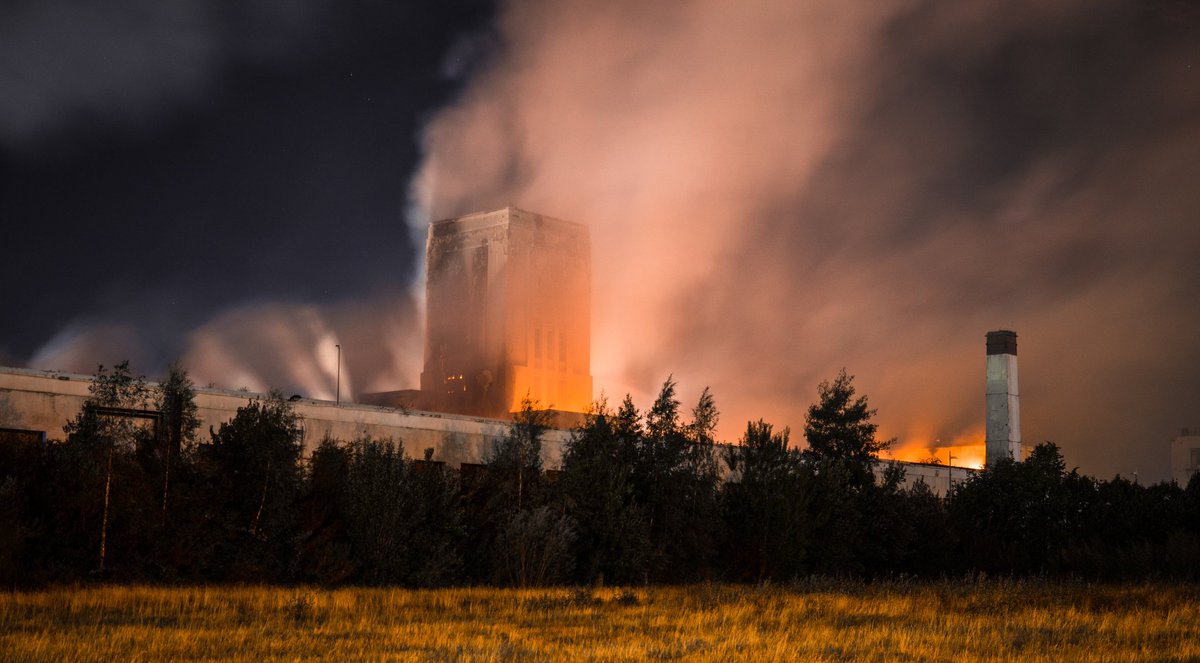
(948, 621)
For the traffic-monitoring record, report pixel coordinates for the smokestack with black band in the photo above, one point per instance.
(1003, 408)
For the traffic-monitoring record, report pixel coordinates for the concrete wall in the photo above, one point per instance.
(939, 478)
(46, 400)
(1003, 409)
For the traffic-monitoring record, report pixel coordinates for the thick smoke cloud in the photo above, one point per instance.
(779, 189)
(264, 345)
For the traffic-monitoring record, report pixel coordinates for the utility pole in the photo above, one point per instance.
(338, 393)
(950, 467)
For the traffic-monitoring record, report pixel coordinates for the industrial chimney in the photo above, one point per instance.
(1003, 408)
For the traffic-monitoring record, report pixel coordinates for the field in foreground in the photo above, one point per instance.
(992, 620)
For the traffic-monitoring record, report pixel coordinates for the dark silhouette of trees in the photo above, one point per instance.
(176, 402)
(131, 495)
(24, 478)
(597, 486)
(765, 506)
(402, 520)
(436, 525)
(839, 427)
(323, 544)
(674, 478)
(521, 523)
(104, 437)
(1016, 516)
(251, 475)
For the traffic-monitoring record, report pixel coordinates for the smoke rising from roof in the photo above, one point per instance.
(264, 345)
(780, 189)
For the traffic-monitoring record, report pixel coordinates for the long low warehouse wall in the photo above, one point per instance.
(46, 400)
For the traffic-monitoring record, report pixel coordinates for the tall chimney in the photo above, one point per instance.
(1003, 408)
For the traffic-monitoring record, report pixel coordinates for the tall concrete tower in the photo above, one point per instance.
(1003, 407)
(508, 306)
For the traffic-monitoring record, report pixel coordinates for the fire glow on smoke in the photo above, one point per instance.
(920, 446)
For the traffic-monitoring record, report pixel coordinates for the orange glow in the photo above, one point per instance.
(967, 449)
(551, 389)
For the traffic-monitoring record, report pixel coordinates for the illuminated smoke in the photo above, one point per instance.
(81, 346)
(290, 347)
(780, 189)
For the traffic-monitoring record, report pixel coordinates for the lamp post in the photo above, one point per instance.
(338, 393)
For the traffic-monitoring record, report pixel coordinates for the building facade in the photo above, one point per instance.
(508, 306)
(39, 403)
(35, 405)
(1185, 456)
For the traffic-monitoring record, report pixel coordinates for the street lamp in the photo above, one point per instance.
(338, 393)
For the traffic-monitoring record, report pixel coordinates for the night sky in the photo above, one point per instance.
(776, 190)
(163, 162)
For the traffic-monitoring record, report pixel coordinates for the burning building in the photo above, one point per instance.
(508, 306)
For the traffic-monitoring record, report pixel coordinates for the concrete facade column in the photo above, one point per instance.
(1003, 406)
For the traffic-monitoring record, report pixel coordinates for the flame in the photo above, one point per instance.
(966, 449)
(551, 389)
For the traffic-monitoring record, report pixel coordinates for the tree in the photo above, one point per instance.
(536, 546)
(764, 506)
(516, 462)
(520, 540)
(436, 525)
(324, 543)
(110, 427)
(596, 484)
(403, 520)
(252, 476)
(176, 402)
(1016, 517)
(376, 508)
(675, 482)
(838, 426)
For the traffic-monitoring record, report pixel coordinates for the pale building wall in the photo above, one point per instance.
(939, 478)
(45, 401)
(1185, 456)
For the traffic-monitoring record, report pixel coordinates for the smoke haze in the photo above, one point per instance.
(778, 189)
(775, 190)
(260, 346)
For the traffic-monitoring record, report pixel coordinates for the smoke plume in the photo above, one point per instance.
(264, 345)
(780, 189)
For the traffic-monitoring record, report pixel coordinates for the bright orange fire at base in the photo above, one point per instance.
(966, 450)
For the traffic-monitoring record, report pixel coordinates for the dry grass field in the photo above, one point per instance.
(990, 620)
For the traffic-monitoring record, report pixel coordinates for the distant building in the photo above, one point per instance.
(508, 306)
(34, 406)
(1185, 456)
